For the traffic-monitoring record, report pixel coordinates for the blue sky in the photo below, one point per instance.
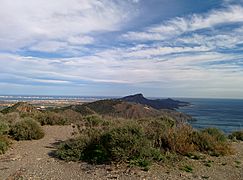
(162, 48)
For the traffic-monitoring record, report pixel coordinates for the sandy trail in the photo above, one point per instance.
(31, 159)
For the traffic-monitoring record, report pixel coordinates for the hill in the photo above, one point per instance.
(116, 108)
(157, 104)
(130, 110)
(19, 107)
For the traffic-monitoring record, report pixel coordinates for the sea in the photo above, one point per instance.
(225, 114)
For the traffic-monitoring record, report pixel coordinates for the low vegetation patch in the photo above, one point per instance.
(124, 143)
(26, 129)
(4, 128)
(139, 142)
(211, 141)
(187, 168)
(4, 144)
(51, 118)
(237, 135)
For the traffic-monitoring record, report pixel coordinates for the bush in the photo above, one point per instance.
(157, 129)
(216, 133)
(4, 128)
(93, 121)
(51, 118)
(4, 144)
(26, 129)
(238, 135)
(179, 140)
(139, 142)
(211, 141)
(71, 149)
(10, 118)
(187, 168)
(122, 143)
(164, 135)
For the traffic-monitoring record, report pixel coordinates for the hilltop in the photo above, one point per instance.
(124, 109)
(157, 103)
(23, 107)
(130, 107)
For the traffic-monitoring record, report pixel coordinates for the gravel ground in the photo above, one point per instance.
(34, 160)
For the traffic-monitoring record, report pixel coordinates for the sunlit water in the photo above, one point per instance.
(226, 114)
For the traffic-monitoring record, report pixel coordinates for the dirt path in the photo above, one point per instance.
(33, 160)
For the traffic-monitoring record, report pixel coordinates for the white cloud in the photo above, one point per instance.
(107, 68)
(49, 46)
(189, 62)
(131, 66)
(180, 25)
(26, 22)
(80, 40)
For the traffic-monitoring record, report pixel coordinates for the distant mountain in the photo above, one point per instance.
(157, 104)
(130, 110)
(20, 107)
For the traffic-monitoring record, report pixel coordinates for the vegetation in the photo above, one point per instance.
(211, 141)
(238, 135)
(4, 141)
(4, 128)
(26, 129)
(139, 142)
(4, 144)
(51, 118)
(10, 118)
(113, 137)
(187, 168)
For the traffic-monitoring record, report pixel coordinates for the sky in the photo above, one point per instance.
(161, 48)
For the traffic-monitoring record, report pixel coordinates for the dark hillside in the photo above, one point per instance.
(123, 109)
(157, 104)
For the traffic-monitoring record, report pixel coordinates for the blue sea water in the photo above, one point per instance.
(226, 114)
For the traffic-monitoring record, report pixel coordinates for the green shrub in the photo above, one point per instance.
(211, 141)
(4, 144)
(122, 143)
(26, 129)
(156, 130)
(10, 118)
(179, 140)
(92, 120)
(238, 135)
(216, 133)
(71, 116)
(72, 149)
(95, 153)
(4, 128)
(187, 168)
(51, 118)
(139, 142)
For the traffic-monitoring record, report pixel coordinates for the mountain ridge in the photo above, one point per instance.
(157, 103)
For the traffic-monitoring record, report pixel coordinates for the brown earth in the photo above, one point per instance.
(34, 160)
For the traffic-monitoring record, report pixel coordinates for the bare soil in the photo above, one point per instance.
(35, 160)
